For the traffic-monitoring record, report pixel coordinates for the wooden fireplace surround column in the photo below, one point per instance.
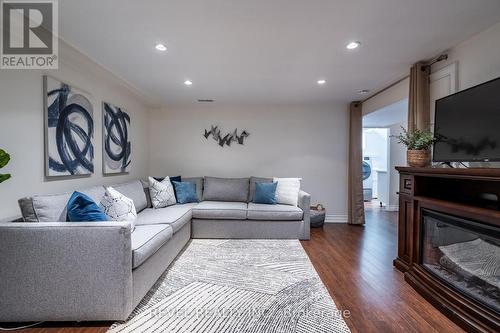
(457, 192)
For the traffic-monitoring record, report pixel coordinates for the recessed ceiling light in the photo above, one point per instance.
(161, 47)
(188, 82)
(363, 91)
(353, 45)
(321, 82)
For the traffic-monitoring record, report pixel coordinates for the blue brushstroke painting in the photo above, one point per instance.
(117, 146)
(70, 130)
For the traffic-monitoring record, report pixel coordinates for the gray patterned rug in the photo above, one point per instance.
(238, 286)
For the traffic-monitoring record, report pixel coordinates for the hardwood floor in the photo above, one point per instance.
(355, 264)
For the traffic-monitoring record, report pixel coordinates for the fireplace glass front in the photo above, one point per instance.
(464, 254)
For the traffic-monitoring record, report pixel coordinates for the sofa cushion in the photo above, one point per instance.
(254, 180)
(274, 212)
(135, 191)
(226, 189)
(145, 187)
(176, 216)
(27, 210)
(52, 208)
(199, 185)
(219, 210)
(146, 240)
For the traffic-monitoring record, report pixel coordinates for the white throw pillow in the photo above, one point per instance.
(287, 190)
(118, 207)
(162, 193)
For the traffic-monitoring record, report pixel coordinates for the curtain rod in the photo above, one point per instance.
(386, 88)
(429, 64)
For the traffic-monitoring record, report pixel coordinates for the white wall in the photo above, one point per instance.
(394, 94)
(478, 58)
(397, 155)
(284, 141)
(22, 134)
(375, 147)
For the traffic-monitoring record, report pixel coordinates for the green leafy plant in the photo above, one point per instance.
(4, 160)
(416, 139)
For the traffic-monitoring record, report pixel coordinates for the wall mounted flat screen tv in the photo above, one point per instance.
(468, 124)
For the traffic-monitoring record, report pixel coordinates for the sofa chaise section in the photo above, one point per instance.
(85, 271)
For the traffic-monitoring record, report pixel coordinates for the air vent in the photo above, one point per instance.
(206, 100)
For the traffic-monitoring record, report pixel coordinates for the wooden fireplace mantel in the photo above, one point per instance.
(465, 193)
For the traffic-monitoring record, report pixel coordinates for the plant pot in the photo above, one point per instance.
(419, 158)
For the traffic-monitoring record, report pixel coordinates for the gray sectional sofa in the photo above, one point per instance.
(53, 270)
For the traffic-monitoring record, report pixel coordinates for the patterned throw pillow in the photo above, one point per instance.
(287, 191)
(118, 207)
(162, 193)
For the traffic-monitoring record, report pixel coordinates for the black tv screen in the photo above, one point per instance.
(468, 125)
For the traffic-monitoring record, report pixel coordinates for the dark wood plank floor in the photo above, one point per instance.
(355, 263)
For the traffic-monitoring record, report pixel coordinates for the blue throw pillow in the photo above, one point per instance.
(186, 192)
(265, 193)
(81, 208)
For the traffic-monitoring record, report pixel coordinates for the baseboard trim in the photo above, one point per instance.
(336, 219)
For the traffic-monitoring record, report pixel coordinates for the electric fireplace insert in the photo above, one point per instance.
(464, 254)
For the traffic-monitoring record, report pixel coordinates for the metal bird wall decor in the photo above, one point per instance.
(227, 139)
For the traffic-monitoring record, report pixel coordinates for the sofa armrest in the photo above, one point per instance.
(65, 271)
(305, 204)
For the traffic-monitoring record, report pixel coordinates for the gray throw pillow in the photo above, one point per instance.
(226, 189)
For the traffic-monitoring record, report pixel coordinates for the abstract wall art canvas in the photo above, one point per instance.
(69, 130)
(116, 137)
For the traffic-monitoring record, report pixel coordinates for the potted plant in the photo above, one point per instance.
(418, 143)
(4, 159)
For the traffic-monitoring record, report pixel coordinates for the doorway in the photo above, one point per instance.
(381, 154)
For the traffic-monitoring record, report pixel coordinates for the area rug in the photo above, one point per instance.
(237, 286)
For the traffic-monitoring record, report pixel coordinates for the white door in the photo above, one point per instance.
(442, 83)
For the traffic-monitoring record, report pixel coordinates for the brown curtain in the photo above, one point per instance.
(355, 189)
(419, 112)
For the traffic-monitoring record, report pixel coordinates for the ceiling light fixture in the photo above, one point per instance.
(363, 91)
(353, 45)
(321, 82)
(161, 47)
(188, 82)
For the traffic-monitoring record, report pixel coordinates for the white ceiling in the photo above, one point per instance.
(267, 51)
(387, 116)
